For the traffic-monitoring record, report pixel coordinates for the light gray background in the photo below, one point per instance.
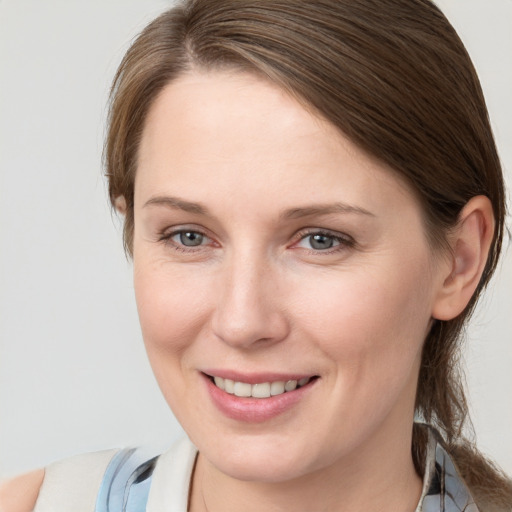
(73, 372)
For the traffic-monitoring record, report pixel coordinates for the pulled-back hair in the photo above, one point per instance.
(395, 78)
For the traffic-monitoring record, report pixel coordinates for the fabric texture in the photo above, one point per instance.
(71, 485)
(126, 483)
(123, 481)
(444, 489)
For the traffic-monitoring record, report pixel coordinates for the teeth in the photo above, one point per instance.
(290, 385)
(260, 390)
(229, 386)
(243, 389)
(277, 388)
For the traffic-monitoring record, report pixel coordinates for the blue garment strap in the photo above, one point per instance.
(126, 483)
(445, 489)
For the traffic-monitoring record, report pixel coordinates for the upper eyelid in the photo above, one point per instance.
(174, 230)
(305, 232)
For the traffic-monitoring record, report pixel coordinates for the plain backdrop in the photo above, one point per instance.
(73, 372)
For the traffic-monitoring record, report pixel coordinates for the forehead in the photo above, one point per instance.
(233, 131)
(221, 109)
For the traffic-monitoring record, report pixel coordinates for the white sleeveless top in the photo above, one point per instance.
(72, 485)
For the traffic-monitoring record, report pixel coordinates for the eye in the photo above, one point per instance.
(189, 238)
(185, 239)
(320, 241)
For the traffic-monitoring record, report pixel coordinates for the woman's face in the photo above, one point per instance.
(269, 249)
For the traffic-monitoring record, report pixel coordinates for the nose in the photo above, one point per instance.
(247, 312)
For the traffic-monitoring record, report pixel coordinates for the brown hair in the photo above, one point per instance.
(395, 78)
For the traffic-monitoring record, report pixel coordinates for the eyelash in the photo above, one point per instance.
(344, 242)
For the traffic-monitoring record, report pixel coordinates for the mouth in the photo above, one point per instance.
(259, 390)
(257, 397)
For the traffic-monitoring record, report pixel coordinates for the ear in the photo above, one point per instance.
(470, 243)
(120, 205)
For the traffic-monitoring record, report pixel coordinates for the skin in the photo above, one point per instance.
(236, 154)
(256, 296)
(19, 494)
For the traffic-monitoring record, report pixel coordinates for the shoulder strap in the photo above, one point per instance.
(443, 487)
(125, 485)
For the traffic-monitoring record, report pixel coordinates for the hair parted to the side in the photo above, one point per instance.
(395, 78)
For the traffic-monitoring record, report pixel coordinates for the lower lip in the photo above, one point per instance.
(255, 410)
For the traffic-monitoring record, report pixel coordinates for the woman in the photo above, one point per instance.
(313, 202)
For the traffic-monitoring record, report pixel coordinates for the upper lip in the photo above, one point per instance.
(255, 377)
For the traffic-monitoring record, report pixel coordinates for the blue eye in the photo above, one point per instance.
(188, 238)
(321, 242)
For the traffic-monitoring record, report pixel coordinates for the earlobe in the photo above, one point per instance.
(470, 243)
(120, 205)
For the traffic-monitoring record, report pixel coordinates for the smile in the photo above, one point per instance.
(259, 390)
(255, 398)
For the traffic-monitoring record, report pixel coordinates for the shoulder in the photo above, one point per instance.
(85, 482)
(69, 484)
(19, 494)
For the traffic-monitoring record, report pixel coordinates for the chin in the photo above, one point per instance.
(258, 460)
(258, 468)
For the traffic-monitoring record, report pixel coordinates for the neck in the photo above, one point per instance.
(379, 476)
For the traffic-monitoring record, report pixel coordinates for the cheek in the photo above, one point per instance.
(171, 307)
(370, 324)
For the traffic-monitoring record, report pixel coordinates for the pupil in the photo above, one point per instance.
(191, 239)
(321, 242)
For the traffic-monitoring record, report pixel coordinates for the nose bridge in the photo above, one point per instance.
(247, 309)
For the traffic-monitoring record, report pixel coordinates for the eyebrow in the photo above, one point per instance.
(178, 204)
(292, 213)
(324, 209)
